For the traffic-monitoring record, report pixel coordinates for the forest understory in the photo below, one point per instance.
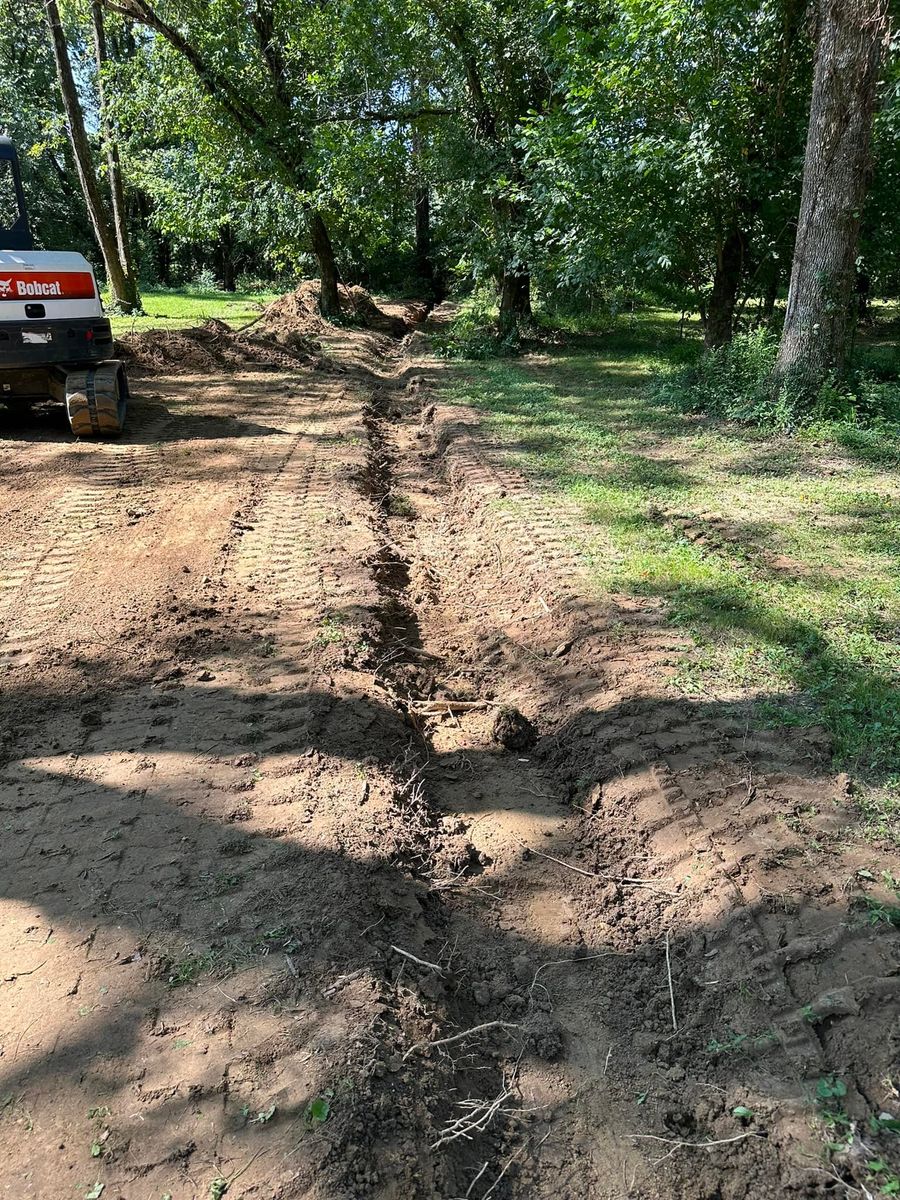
(356, 846)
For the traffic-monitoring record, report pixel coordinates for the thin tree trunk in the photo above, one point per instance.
(226, 258)
(115, 273)
(817, 324)
(719, 326)
(129, 300)
(329, 300)
(424, 264)
(515, 299)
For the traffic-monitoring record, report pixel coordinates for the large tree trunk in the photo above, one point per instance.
(329, 300)
(129, 298)
(115, 273)
(719, 325)
(515, 299)
(852, 35)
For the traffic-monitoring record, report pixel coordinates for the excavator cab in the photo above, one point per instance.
(15, 232)
(55, 342)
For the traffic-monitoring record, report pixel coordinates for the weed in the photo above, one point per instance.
(331, 630)
(318, 1110)
(263, 1117)
(742, 1042)
(399, 505)
(188, 970)
(883, 1176)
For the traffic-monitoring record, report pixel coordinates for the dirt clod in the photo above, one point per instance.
(513, 730)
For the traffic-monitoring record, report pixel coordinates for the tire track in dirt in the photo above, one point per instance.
(87, 508)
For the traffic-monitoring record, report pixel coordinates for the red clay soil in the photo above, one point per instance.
(353, 850)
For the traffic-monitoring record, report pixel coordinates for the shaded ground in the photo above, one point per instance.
(264, 849)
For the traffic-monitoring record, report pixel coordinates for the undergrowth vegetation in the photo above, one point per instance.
(778, 551)
(737, 382)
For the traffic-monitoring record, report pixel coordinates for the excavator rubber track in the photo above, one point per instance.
(96, 400)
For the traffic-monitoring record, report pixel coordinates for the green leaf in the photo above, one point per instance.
(742, 1112)
(317, 1112)
(262, 1118)
(96, 1191)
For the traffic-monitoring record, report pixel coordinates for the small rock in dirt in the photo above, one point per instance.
(428, 414)
(562, 649)
(513, 730)
(205, 676)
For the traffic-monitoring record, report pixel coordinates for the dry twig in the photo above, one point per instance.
(420, 961)
(671, 988)
(623, 879)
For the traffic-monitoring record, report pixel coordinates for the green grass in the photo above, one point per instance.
(179, 309)
(792, 594)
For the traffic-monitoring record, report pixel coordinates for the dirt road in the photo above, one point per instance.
(351, 848)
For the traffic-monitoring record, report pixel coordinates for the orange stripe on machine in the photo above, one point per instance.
(48, 285)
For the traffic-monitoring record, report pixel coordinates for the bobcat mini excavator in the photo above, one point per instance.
(55, 343)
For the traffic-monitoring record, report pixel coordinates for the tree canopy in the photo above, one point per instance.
(581, 151)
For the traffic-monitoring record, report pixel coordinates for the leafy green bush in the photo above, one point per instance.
(473, 334)
(735, 382)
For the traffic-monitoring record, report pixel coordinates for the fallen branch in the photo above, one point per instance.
(458, 1037)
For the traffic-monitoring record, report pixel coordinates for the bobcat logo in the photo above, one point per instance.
(5, 288)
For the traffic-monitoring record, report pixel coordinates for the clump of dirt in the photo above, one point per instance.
(513, 730)
(212, 346)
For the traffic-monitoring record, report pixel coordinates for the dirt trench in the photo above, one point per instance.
(354, 849)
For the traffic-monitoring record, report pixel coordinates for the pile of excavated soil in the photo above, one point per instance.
(211, 347)
(285, 335)
(297, 314)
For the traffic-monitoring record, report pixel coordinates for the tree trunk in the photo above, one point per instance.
(226, 258)
(424, 265)
(515, 299)
(719, 325)
(329, 300)
(852, 35)
(115, 273)
(129, 299)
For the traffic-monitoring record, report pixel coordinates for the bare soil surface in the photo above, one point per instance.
(351, 849)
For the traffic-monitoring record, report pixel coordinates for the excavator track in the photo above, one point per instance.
(96, 399)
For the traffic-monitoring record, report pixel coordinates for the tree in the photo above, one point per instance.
(122, 284)
(852, 36)
(669, 163)
(255, 66)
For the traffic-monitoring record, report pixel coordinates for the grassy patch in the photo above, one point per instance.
(779, 553)
(180, 309)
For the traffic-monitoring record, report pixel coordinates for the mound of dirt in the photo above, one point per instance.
(214, 346)
(297, 314)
